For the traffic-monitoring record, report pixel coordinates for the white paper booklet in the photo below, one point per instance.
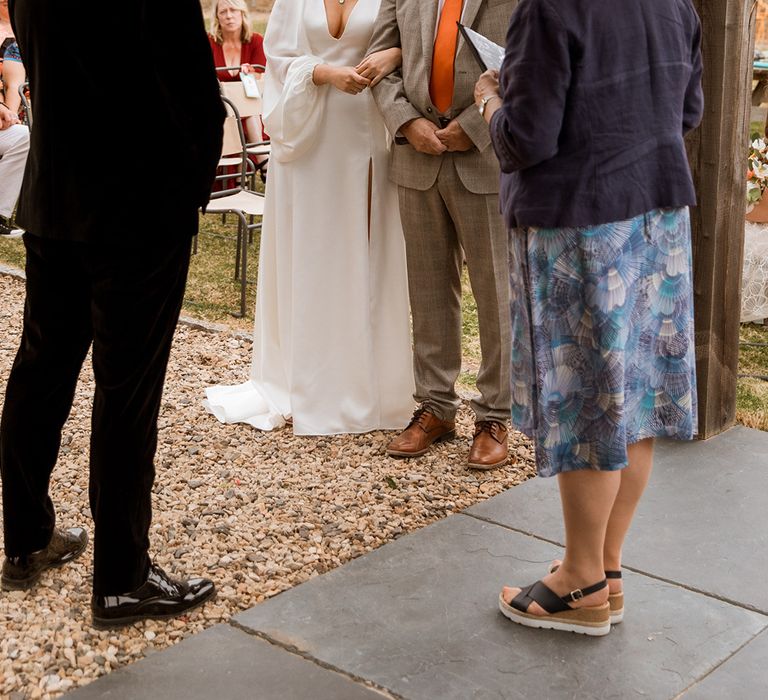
(488, 53)
(250, 84)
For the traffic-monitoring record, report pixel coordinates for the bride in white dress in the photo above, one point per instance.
(332, 344)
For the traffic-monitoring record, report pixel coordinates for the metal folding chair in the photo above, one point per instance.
(26, 107)
(245, 203)
(247, 107)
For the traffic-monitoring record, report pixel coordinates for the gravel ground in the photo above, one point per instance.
(257, 512)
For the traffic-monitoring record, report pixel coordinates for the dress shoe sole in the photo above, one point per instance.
(450, 435)
(111, 623)
(20, 584)
(24, 584)
(487, 467)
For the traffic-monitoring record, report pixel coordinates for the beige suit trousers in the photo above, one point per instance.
(444, 225)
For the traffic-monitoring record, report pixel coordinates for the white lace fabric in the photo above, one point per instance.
(754, 290)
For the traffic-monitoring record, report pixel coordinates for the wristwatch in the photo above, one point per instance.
(484, 102)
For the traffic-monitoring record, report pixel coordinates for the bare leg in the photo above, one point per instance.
(634, 479)
(253, 129)
(254, 135)
(14, 76)
(587, 497)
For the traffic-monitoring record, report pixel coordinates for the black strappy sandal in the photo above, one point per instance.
(593, 620)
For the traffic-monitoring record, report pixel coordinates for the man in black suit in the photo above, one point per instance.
(98, 272)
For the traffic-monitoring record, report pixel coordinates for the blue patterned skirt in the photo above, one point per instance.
(602, 334)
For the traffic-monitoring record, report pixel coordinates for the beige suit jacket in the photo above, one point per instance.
(404, 95)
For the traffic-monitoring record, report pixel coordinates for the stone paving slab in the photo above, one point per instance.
(703, 522)
(419, 617)
(742, 677)
(225, 663)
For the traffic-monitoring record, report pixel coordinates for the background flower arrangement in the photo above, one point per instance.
(757, 171)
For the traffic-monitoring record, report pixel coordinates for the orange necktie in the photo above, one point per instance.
(441, 80)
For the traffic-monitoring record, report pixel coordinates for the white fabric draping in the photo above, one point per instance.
(293, 105)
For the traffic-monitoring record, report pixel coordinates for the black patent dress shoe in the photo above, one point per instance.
(160, 597)
(21, 573)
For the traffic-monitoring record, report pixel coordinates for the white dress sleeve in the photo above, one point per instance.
(293, 104)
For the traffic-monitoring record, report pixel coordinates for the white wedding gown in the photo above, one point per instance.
(331, 341)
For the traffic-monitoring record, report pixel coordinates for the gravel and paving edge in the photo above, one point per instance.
(257, 512)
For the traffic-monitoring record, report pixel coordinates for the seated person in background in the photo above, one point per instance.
(14, 76)
(14, 146)
(6, 31)
(234, 44)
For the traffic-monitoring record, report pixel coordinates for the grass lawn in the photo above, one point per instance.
(212, 291)
(752, 393)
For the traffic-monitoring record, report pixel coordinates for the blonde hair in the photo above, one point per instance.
(245, 28)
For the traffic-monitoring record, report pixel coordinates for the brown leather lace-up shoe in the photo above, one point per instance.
(489, 448)
(424, 429)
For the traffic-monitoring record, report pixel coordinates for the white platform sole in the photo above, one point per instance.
(549, 622)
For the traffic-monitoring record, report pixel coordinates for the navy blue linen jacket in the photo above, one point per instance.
(597, 95)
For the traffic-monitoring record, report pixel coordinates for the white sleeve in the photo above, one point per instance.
(293, 104)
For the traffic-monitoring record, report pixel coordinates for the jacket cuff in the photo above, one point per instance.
(475, 127)
(398, 115)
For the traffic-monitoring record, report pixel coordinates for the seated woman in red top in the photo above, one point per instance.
(234, 44)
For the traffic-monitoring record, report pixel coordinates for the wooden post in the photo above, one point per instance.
(717, 150)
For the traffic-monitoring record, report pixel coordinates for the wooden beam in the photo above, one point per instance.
(717, 150)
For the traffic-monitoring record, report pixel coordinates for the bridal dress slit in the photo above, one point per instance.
(332, 335)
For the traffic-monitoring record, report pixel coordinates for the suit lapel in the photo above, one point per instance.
(428, 11)
(470, 11)
(471, 8)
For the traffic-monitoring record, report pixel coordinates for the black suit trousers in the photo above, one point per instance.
(126, 303)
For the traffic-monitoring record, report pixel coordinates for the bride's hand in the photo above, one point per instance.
(344, 78)
(379, 65)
